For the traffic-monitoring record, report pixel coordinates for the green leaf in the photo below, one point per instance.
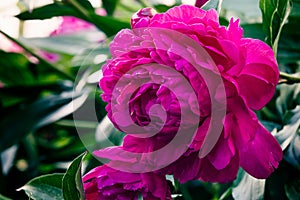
(53, 10)
(248, 187)
(72, 183)
(287, 99)
(254, 31)
(28, 90)
(86, 4)
(287, 133)
(4, 198)
(213, 4)
(289, 44)
(110, 6)
(44, 187)
(292, 155)
(71, 44)
(14, 69)
(163, 7)
(109, 25)
(275, 14)
(37, 114)
(48, 11)
(20, 94)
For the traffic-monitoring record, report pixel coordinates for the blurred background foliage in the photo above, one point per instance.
(46, 82)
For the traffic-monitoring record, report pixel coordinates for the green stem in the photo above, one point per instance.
(289, 79)
(41, 60)
(81, 10)
(226, 194)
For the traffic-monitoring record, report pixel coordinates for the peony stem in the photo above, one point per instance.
(80, 9)
(288, 78)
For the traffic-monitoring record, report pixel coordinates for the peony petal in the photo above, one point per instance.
(210, 174)
(221, 155)
(259, 151)
(260, 75)
(256, 92)
(259, 52)
(105, 183)
(261, 156)
(202, 169)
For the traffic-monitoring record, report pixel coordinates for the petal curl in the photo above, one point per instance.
(259, 151)
(260, 75)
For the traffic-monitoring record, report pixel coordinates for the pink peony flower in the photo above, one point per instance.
(9, 46)
(249, 75)
(72, 24)
(104, 183)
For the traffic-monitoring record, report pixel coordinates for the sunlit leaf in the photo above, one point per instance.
(71, 44)
(44, 187)
(213, 4)
(248, 187)
(7, 157)
(293, 153)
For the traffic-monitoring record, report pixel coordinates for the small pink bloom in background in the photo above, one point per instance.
(50, 57)
(9, 46)
(12, 47)
(104, 183)
(72, 24)
(249, 72)
(68, 25)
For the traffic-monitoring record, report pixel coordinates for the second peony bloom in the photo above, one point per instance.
(145, 87)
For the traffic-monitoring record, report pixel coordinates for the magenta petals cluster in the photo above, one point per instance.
(105, 183)
(249, 74)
